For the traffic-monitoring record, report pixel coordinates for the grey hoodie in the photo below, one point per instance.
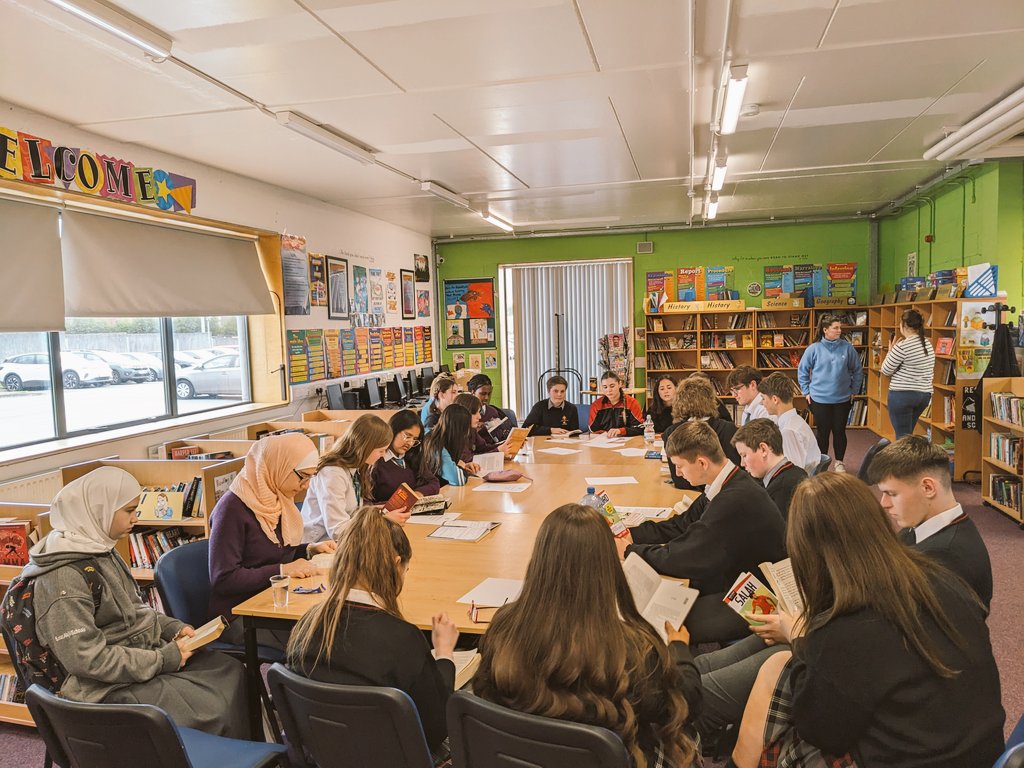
(121, 642)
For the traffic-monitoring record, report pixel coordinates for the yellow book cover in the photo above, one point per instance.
(749, 597)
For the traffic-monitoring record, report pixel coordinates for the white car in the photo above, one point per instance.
(32, 370)
(219, 376)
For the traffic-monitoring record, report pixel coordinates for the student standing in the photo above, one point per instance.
(743, 384)
(403, 461)
(759, 444)
(910, 364)
(556, 415)
(663, 397)
(615, 413)
(798, 442)
(358, 636)
(830, 374)
(343, 481)
(695, 401)
(445, 447)
(577, 648)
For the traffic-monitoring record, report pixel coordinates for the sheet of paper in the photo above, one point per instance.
(502, 487)
(633, 516)
(463, 530)
(493, 592)
(441, 519)
(607, 442)
(490, 462)
(632, 451)
(564, 441)
(596, 481)
(558, 451)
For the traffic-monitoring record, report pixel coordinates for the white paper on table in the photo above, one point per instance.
(558, 451)
(441, 519)
(463, 530)
(502, 487)
(490, 462)
(493, 592)
(632, 451)
(608, 442)
(633, 516)
(596, 481)
(564, 441)
(658, 599)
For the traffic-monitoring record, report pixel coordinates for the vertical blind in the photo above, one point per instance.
(591, 299)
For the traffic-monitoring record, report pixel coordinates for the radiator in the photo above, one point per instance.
(37, 489)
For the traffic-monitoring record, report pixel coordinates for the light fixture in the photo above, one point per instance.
(712, 207)
(718, 175)
(118, 23)
(296, 122)
(735, 88)
(996, 123)
(445, 194)
(490, 218)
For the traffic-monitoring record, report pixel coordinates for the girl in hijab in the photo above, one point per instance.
(256, 529)
(119, 650)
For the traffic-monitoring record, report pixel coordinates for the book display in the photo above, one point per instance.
(1002, 463)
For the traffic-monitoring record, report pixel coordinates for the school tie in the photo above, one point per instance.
(746, 417)
(908, 536)
(400, 461)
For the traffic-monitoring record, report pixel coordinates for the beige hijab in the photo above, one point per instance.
(268, 466)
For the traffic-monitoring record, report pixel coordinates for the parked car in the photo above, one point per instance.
(124, 368)
(153, 364)
(219, 376)
(190, 358)
(32, 370)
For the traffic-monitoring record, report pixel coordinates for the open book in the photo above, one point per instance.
(748, 596)
(658, 599)
(780, 578)
(499, 429)
(466, 663)
(205, 634)
(515, 440)
(489, 462)
(408, 498)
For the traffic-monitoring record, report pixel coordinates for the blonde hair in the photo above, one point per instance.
(695, 399)
(352, 449)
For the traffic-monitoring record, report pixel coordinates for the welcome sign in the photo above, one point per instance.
(24, 157)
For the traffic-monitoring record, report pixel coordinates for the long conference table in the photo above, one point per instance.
(443, 571)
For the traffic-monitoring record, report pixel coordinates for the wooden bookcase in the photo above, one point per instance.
(997, 433)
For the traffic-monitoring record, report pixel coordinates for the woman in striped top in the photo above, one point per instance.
(911, 365)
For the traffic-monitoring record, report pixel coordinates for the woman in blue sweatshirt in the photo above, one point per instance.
(830, 374)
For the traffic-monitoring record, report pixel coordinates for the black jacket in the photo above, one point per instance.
(961, 549)
(724, 429)
(782, 485)
(543, 418)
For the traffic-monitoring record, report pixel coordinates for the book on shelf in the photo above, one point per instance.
(944, 345)
(856, 338)
(171, 502)
(658, 599)
(718, 361)
(211, 456)
(657, 324)
(146, 547)
(766, 320)
(948, 409)
(858, 414)
(184, 451)
(730, 341)
(206, 634)
(1005, 490)
(1007, 449)
(1007, 406)
(466, 664)
(15, 542)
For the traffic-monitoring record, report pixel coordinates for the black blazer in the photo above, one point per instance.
(961, 549)
(724, 429)
(543, 418)
(782, 485)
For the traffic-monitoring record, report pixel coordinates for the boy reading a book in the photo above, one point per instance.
(799, 444)
(759, 444)
(731, 527)
(743, 383)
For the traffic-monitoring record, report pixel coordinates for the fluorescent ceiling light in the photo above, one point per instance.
(718, 176)
(445, 194)
(965, 135)
(712, 208)
(735, 89)
(490, 218)
(116, 22)
(296, 122)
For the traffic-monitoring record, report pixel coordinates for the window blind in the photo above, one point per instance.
(30, 268)
(119, 268)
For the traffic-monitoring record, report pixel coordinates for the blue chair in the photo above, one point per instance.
(127, 735)
(485, 735)
(1013, 757)
(511, 416)
(350, 725)
(584, 415)
(864, 474)
(823, 465)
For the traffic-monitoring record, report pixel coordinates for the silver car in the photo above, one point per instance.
(219, 376)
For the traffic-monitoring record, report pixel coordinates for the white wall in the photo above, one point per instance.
(236, 199)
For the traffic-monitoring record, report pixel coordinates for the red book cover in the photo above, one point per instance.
(14, 543)
(404, 496)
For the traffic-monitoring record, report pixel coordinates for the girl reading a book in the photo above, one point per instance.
(403, 461)
(616, 413)
(114, 647)
(660, 406)
(343, 481)
(496, 424)
(891, 660)
(446, 447)
(442, 394)
(357, 635)
(481, 442)
(577, 648)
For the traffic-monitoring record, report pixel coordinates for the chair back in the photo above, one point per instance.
(865, 465)
(1013, 757)
(105, 735)
(182, 579)
(357, 726)
(584, 416)
(823, 465)
(485, 735)
(511, 416)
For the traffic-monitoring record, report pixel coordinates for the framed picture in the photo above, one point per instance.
(421, 262)
(337, 288)
(408, 294)
(469, 313)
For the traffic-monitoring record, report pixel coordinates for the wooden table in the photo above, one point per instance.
(587, 454)
(443, 571)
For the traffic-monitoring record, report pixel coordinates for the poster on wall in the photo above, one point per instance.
(410, 345)
(391, 291)
(315, 355)
(360, 291)
(349, 363)
(776, 280)
(332, 353)
(718, 283)
(418, 333)
(428, 344)
(690, 284)
(458, 360)
(399, 348)
(387, 340)
(422, 303)
(842, 280)
(337, 288)
(476, 361)
(298, 359)
(362, 350)
(376, 350)
(408, 294)
(295, 275)
(661, 289)
(490, 360)
(376, 292)
(317, 281)
(469, 313)
(421, 264)
(808, 282)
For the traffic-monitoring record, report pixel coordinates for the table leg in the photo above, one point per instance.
(252, 679)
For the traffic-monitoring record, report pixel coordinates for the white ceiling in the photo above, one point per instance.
(557, 114)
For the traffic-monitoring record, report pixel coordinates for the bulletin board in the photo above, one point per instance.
(469, 313)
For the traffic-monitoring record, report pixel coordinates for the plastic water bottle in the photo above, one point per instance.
(591, 499)
(649, 431)
(604, 505)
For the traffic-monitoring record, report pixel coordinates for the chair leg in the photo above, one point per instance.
(270, 713)
(47, 760)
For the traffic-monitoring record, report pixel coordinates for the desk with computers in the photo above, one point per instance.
(409, 389)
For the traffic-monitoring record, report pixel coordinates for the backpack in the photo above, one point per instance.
(33, 661)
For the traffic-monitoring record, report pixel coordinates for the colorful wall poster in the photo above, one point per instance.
(972, 322)
(298, 359)
(387, 342)
(295, 275)
(398, 348)
(315, 354)
(317, 280)
(776, 279)
(458, 360)
(718, 283)
(337, 288)
(808, 282)
(360, 290)
(421, 265)
(428, 344)
(391, 292)
(332, 353)
(842, 279)
(410, 346)
(456, 333)
(376, 350)
(476, 361)
(422, 303)
(418, 334)
(408, 287)
(349, 359)
(376, 292)
(490, 360)
(362, 350)
(690, 284)
(469, 313)
(661, 289)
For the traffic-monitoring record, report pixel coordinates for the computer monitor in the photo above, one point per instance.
(334, 399)
(445, 368)
(403, 395)
(427, 379)
(414, 384)
(373, 393)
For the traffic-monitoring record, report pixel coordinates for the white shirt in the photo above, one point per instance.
(362, 597)
(772, 472)
(933, 525)
(755, 410)
(712, 489)
(330, 503)
(798, 442)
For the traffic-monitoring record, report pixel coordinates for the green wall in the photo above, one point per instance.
(748, 248)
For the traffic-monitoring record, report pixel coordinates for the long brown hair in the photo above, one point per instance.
(352, 449)
(453, 432)
(365, 559)
(577, 648)
(695, 399)
(846, 557)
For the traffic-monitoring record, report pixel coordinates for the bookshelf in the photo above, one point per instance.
(1002, 441)
(238, 448)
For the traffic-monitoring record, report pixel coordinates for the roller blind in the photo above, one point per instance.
(30, 268)
(119, 268)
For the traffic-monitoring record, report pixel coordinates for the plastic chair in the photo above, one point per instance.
(511, 416)
(584, 416)
(352, 725)
(485, 735)
(1013, 757)
(865, 465)
(823, 465)
(127, 735)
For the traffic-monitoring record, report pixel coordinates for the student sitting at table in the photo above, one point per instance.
(659, 405)
(403, 461)
(445, 448)
(343, 481)
(759, 444)
(798, 440)
(615, 413)
(442, 394)
(743, 384)
(480, 442)
(556, 415)
(577, 649)
(358, 636)
(256, 529)
(723, 412)
(695, 401)
(496, 424)
(730, 528)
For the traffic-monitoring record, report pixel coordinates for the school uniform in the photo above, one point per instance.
(799, 444)
(545, 416)
(391, 471)
(334, 495)
(449, 472)
(624, 414)
(662, 420)
(724, 429)
(755, 410)
(780, 482)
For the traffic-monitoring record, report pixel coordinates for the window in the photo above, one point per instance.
(209, 370)
(26, 399)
